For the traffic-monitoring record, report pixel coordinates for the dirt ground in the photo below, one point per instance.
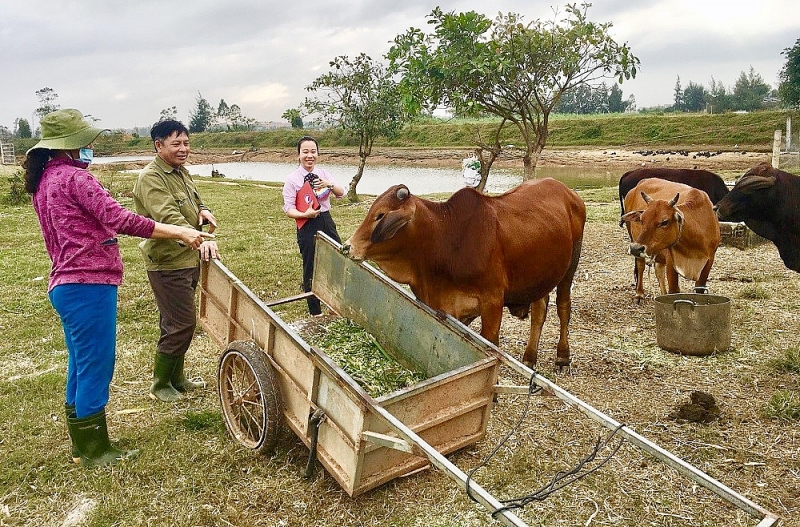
(622, 160)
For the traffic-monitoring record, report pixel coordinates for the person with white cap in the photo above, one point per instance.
(80, 221)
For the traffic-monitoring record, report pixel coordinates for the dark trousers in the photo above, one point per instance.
(305, 240)
(174, 292)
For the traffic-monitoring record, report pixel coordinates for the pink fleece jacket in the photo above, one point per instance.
(80, 221)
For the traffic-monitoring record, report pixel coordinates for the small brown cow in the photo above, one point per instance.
(675, 225)
(474, 254)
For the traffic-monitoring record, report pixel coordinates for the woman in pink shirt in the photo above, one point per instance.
(80, 221)
(312, 219)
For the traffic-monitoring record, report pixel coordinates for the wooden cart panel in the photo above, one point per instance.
(450, 409)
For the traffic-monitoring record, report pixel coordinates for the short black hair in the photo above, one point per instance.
(163, 129)
(304, 139)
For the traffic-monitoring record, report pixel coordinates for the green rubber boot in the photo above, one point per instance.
(91, 437)
(69, 411)
(162, 388)
(179, 380)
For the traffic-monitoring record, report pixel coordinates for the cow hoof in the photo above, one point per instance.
(562, 364)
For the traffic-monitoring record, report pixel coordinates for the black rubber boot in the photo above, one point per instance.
(179, 380)
(162, 388)
(69, 411)
(91, 438)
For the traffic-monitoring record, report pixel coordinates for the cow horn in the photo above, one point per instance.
(675, 199)
(402, 193)
(646, 198)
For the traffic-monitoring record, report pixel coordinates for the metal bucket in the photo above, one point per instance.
(693, 323)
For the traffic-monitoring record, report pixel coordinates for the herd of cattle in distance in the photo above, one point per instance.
(474, 254)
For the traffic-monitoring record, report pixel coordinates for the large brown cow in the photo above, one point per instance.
(473, 254)
(675, 225)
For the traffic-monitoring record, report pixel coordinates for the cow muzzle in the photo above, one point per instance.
(636, 250)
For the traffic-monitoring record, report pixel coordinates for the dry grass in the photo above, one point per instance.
(191, 473)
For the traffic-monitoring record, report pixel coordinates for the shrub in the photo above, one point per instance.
(783, 405)
(16, 191)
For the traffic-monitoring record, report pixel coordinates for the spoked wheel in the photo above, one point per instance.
(249, 396)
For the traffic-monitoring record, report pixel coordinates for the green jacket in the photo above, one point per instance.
(167, 195)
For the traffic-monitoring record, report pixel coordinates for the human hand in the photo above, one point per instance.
(206, 216)
(193, 238)
(208, 250)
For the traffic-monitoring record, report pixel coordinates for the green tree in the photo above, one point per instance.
(22, 129)
(360, 97)
(47, 101)
(694, 97)
(202, 116)
(717, 97)
(223, 116)
(170, 113)
(615, 102)
(789, 88)
(749, 91)
(505, 68)
(294, 117)
(678, 93)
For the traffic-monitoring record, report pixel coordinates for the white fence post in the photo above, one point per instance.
(776, 149)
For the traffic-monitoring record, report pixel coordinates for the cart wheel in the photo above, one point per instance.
(249, 396)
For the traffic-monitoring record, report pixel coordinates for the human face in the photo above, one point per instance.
(174, 150)
(308, 155)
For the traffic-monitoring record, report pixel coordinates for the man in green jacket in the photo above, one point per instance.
(166, 193)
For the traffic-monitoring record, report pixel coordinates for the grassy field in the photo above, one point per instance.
(190, 473)
(752, 131)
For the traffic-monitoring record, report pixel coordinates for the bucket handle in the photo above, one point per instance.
(686, 302)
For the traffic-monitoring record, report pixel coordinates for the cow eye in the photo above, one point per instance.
(663, 223)
(379, 217)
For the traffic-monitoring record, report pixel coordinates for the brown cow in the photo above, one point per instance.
(473, 254)
(675, 225)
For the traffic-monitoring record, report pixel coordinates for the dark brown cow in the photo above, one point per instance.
(675, 225)
(473, 254)
(767, 200)
(708, 182)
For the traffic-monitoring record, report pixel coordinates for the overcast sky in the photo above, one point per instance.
(125, 61)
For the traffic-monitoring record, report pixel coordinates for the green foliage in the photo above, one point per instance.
(22, 129)
(202, 116)
(783, 404)
(16, 190)
(47, 101)
(749, 91)
(507, 69)
(360, 355)
(754, 292)
(789, 362)
(360, 97)
(789, 89)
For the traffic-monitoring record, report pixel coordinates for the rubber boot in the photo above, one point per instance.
(91, 437)
(162, 388)
(69, 411)
(179, 380)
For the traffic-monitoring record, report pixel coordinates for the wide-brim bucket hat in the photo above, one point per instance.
(66, 130)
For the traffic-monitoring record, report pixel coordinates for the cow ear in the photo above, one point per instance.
(750, 184)
(388, 226)
(675, 199)
(679, 217)
(645, 197)
(634, 216)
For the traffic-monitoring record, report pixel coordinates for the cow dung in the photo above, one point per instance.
(701, 408)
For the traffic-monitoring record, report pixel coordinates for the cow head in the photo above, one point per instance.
(659, 226)
(737, 204)
(390, 212)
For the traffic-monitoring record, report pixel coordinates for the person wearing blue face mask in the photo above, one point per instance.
(80, 221)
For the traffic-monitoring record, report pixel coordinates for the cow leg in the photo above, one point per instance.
(538, 315)
(639, 295)
(564, 308)
(703, 279)
(491, 316)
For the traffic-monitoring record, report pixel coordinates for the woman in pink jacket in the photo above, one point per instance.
(80, 221)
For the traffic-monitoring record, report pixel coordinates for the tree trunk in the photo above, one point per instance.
(352, 195)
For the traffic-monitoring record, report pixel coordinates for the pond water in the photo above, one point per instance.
(420, 180)
(376, 179)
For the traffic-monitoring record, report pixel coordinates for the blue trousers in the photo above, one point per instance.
(88, 315)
